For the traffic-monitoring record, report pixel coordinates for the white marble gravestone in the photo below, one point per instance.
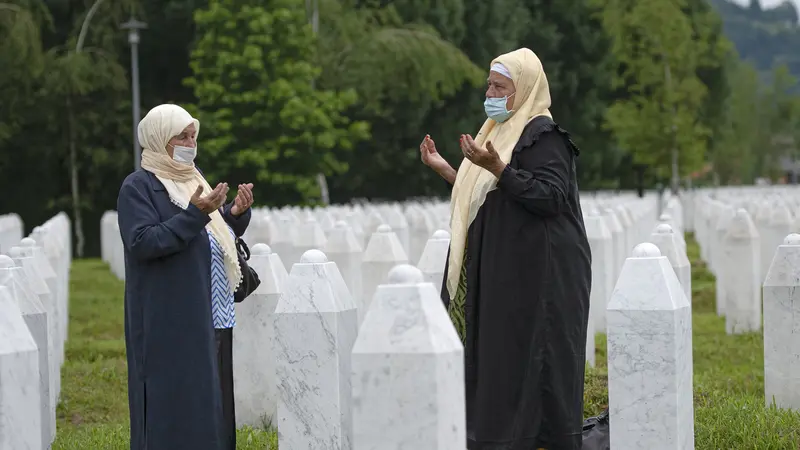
(628, 232)
(397, 221)
(766, 249)
(782, 327)
(316, 324)
(33, 249)
(778, 227)
(408, 370)
(603, 280)
(668, 243)
(281, 242)
(255, 381)
(306, 235)
(421, 227)
(742, 268)
(20, 397)
(38, 286)
(344, 248)
(35, 316)
(434, 257)
(650, 356)
(383, 252)
(617, 238)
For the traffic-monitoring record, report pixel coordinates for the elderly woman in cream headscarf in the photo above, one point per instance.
(519, 268)
(181, 270)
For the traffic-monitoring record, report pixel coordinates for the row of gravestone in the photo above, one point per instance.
(34, 304)
(747, 237)
(365, 248)
(332, 370)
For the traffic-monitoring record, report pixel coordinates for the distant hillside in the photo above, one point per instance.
(765, 37)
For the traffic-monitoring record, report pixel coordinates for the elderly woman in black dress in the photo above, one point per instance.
(519, 269)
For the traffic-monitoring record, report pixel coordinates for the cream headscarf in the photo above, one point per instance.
(160, 125)
(532, 99)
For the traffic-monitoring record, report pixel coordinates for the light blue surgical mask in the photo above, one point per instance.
(496, 108)
(185, 155)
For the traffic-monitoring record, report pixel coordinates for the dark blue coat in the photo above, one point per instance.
(173, 381)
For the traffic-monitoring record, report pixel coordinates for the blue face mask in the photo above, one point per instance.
(496, 108)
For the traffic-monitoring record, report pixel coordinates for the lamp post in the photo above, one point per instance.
(133, 26)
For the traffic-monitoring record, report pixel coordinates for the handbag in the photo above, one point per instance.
(250, 280)
(596, 432)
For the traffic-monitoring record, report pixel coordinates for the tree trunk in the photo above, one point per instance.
(73, 168)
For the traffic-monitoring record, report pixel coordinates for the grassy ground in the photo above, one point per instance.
(729, 407)
(93, 413)
(728, 375)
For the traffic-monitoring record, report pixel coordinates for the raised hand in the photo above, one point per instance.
(243, 200)
(487, 158)
(430, 156)
(211, 202)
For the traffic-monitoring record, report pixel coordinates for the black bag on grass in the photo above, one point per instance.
(596, 435)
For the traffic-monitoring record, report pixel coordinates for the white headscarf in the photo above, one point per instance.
(160, 125)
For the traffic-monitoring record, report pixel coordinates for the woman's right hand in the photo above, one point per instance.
(431, 157)
(211, 202)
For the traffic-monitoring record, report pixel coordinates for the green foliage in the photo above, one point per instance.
(657, 59)
(763, 37)
(21, 58)
(404, 75)
(263, 120)
(580, 79)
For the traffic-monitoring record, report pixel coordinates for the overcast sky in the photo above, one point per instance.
(766, 3)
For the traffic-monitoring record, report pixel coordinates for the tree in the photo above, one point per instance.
(656, 116)
(261, 118)
(734, 155)
(68, 117)
(714, 52)
(779, 112)
(580, 79)
(403, 72)
(21, 57)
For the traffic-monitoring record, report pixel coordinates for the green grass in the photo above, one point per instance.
(730, 411)
(93, 412)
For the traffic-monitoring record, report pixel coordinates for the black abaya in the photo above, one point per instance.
(528, 275)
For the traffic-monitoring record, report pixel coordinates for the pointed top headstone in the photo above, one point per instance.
(6, 262)
(646, 250)
(405, 274)
(664, 228)
(28, 242)
(741, 226)
(261, 249)
(441, 234)
(313, 257)
(792, 239)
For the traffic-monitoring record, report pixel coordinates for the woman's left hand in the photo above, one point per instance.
(487, 158)
(243, 200)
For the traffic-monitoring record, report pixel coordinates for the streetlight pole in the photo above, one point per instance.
(133, 26)
(312, 12)
(675, 181)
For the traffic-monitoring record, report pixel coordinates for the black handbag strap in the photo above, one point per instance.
(243, 249)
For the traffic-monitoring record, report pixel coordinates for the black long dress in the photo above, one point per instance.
(526, 306)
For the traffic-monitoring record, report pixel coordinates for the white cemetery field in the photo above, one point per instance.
(694, 335)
